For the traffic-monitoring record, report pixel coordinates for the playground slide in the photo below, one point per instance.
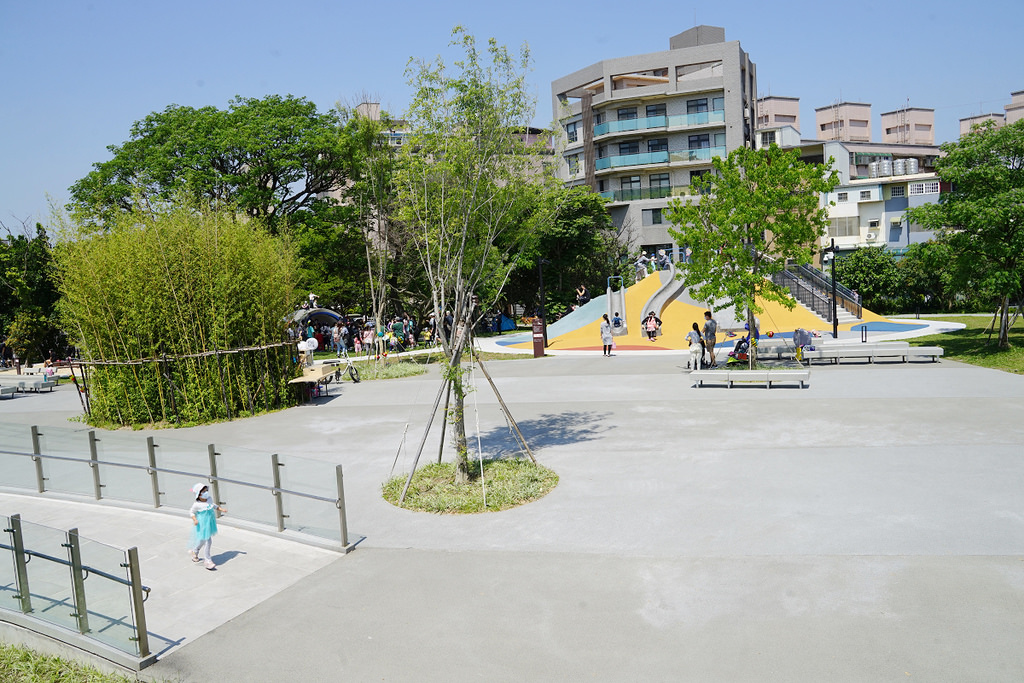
(617, 305)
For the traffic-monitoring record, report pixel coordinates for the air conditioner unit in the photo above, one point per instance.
(871, 236)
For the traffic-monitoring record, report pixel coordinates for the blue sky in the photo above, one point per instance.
(74, 75)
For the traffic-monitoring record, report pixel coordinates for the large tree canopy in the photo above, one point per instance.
(981, 217)
(271, 157)
(756, 210)
(28, 294)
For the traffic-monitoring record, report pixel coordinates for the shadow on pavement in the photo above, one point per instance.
(557, 429)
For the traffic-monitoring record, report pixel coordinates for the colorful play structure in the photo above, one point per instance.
(662, 293)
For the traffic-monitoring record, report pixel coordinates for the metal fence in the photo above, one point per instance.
(74, 589)
(301, 497)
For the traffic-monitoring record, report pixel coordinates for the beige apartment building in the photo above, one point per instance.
(1012, 113)
(776, 110)
(844, 121)
(909, 126)
(1015, 109)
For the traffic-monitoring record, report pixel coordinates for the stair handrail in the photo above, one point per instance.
(824, 280)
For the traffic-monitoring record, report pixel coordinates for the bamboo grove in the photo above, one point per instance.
(180, 315)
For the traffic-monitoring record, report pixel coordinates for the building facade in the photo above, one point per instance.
(640, 129)
(844, 121)
(909, 126)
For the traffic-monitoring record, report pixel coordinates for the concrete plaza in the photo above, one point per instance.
(869, 527)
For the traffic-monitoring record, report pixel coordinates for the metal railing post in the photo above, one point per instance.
(154, 477)
(24, 595)
(97, 486)
(341, 507)
(214, 482)
(37, 451)
(81, 613)
(135, 576)
(278, 498)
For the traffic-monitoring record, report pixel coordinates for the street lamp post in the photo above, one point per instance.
(835, 318)
(543, 315)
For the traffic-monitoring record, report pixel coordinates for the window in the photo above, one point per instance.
(695, 177)
(652, 217)
(842, 196)
(696, 106)
(627, 114)
(785, 118)
(924, 188)
(897, 191)
(844, 226)
(574, 164)
(598, 118)
(699, 141)
(602, 151)
(865, 195)
(655, 110)
(630, 182)
(570, 131)
(872, 224)
(660, 180)
(657, 145)
(718, 104)
(768, 139)
(632, 147)
(602, 185)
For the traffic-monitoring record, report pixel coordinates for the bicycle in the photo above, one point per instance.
(350, 367)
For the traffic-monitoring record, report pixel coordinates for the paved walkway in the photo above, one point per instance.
(869, 527)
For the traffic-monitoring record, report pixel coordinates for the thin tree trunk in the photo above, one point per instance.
(1004, 319)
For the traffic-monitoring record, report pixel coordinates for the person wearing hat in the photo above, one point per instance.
(204, 524)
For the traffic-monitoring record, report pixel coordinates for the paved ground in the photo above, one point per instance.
(869, 527)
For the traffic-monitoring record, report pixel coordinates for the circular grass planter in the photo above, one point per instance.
(510, 483)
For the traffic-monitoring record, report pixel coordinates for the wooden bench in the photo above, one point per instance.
(835, 354)
(318, 374)
(766, 377)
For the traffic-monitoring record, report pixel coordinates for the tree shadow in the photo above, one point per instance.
(556, 429)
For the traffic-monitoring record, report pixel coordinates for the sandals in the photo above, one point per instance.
(194, 555)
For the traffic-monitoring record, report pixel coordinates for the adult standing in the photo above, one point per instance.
(606, 335)
(710, 334)
(696, 341)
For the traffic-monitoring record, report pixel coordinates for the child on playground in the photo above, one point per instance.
(204, 524)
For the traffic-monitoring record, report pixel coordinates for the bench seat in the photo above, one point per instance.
(766, 377)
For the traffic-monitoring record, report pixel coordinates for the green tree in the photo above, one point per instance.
(756, 210)
(273, 158)
(28, 294)
(873, 274)
(981, 216)
(182, 310)
(927, 278)
(465, 180)
(578, 243)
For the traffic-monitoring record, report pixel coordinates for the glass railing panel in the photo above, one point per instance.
(246, 502)
(603, 163)
(49, 580)
(607, 195)
(8, 578)
(122, 483)
(698, 154)
(63, 475)
(630, 124)
(634, 159)
(108, 602)
(15, 461)
(314, 517)
(311, 516)
(181, 456)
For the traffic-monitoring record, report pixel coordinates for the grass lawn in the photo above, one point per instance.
(510, 482)
(20, 665)
(971, 344)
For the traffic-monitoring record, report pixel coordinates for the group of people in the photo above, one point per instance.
(704, 339)
(399, 333)
(648, 264)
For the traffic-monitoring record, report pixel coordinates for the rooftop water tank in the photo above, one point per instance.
(912, 166)
(873, 169)
(899, 167)
(885, 167)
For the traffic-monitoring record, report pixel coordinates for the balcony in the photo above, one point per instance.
(700, 154)
(649, 122)
(700, 119)
(630, 124)
(646, 193)
(631, 160)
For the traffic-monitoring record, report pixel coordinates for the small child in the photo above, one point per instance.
(204, 524)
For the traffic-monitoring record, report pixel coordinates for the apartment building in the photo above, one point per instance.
(1015, 109)
(844, 121)
(1012, 112)
(640, 129)
(909, 126)
(776, 110)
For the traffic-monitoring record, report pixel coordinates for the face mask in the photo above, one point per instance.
(205, 495)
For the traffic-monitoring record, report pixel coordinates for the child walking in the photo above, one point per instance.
(204, 524)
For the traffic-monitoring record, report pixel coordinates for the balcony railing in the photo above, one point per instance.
(631, 160)
(699, 119)
(648, 122)
(699, 154)
(646, 193)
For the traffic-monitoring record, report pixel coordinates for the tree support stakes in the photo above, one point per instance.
(504, 408)
(444, 423)
(419, 451)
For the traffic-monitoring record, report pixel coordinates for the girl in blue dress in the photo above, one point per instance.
(204, 524)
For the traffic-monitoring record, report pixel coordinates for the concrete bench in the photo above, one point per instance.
(7, 389)
(872, 352)
(25, 383)
(766, 377)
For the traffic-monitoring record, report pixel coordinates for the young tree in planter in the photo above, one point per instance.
(756, 210)
(981, 217)
(467, 176)
(872, 272)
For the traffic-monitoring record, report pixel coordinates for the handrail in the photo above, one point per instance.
(66, 563)
(150, 470)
